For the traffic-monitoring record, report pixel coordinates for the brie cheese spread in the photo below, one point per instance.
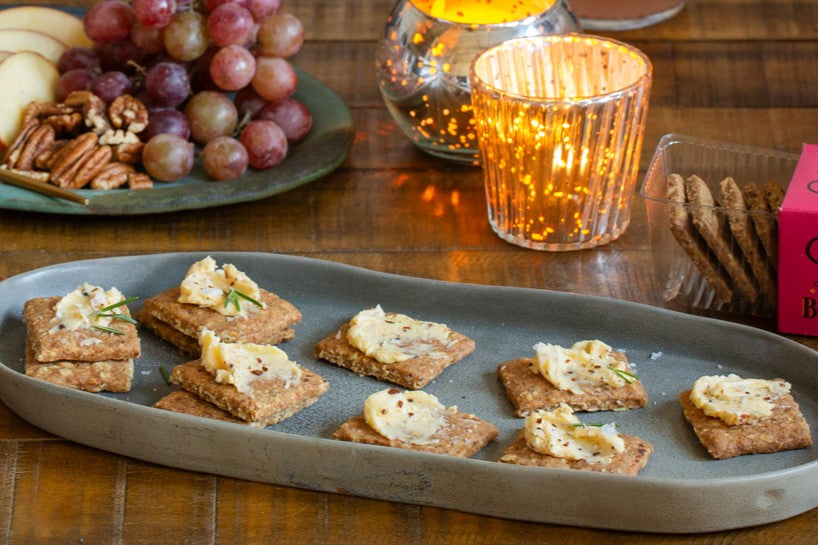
(586, 365)
(412, 417)
(395, 337)
(561, 434)
(208, 286)
(735, 400)
(78, 309)
(242, 364)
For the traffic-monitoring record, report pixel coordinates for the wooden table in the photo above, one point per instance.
(735, 70)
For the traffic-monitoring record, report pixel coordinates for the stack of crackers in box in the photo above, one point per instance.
(84, 340)
(735, 249)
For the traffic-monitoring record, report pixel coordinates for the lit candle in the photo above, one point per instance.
(560, 121)
(424, 59)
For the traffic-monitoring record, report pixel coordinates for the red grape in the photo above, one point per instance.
(264, 8)
(126, 56)
(265, 142)
(247, 101)
(167, 121)
(186, 36)
(292, 116)
(110, 85)
(280, 35)
(232, 67)
(274, 79)
(224, 158)
(77, 57)
(167, 157)
(148, 40)
(210, 5)
(154, 13)
(167, 84)
(108, 21)
(229, 24)
(210, 114)
(77, 79)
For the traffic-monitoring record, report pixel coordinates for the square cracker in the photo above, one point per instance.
(530, 391)
(182, 401)
(741, 225)
(628, 462)
(97, 376)
(692, 243)
(77, 344)
(717, 235)
(463, 435)
(181, 323)
(413, 373)
(766, 225)
(786, 429)
(270, 403)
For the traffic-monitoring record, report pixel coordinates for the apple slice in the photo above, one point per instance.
(63, 26)
(16, 40)
(5, 55)
(26, 77)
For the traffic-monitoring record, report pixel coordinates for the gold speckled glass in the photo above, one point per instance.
(560, 121)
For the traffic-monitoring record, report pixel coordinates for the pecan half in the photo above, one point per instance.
(129, 152)
(34, 174)
(45, 160)
(13, 151)
(112, 175)
(127, 112)
(80, 173)
(42, 110)
(65, 159)
(138, 180)
(64, 123)
(119, 136)
(93, 109)
(40, 140)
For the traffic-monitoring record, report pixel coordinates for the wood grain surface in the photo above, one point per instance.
(735, 70)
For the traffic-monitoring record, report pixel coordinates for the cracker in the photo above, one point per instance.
(738, 219)
(463, 435)
(692, 244)
(98, 376)
(84, 344)
(718, 238)
(774, 194)
(628, 462)
(765, 223)
(270, 403)
(182, 401)
(786, 429)
(413, 373)
(181, 323)
(530, 391)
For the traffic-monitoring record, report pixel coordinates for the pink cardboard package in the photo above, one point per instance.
(798, 249)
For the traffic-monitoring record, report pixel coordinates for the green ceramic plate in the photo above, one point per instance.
(324, 148)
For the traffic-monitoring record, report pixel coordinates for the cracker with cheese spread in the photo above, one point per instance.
(182, 401)
(394, 347)
(389, 417)
(589, 376)
(762, 418)
(558, 439)
(85, 339)
(253, 382)
(223, 300)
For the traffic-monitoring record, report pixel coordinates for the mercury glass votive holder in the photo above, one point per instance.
(560, 121)
(423, 62)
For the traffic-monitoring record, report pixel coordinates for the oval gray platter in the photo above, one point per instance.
(680, 490)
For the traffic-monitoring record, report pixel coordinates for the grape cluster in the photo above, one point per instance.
(213, 72)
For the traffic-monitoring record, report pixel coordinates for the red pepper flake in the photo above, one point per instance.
(400, 403)
(393, 391)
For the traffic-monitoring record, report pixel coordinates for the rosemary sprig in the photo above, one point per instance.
(624, 375)
(105, 312)
(165, 375)
(233, 297)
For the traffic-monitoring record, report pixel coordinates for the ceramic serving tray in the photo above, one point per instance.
(680, 490)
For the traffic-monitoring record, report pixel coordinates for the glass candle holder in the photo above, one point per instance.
(560, 121)
(423, 62)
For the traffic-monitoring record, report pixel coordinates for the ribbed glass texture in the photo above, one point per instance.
(560, 121)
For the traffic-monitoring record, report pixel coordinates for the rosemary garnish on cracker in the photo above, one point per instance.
(165, 375)
(624, 375)
(105, 312)
(233, 297)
